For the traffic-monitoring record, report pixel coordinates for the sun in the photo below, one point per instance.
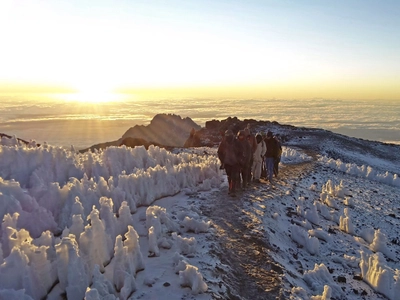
(92, 96)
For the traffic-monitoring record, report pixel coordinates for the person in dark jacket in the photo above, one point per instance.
(229, 153)
(277, 158)
(193, 140)
(270, 155)
(245, 166)
(251, 138)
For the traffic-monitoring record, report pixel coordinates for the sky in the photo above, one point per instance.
(338, 220)
(90, 51)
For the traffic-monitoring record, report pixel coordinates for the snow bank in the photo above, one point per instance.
(300, 236)
(293, 156)
(43, 183)
(65, 215)
(379, 276)
(319, 278)
(192, 278)
(362, 171)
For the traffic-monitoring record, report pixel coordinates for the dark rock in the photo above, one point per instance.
(357, 277)
(166, 284)
(341, 279)
(330, 230)
(213, 125)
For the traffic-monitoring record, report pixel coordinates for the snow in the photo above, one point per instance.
(363, 171)
(126, 223)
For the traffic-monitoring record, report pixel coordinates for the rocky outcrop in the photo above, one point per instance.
(164, 129)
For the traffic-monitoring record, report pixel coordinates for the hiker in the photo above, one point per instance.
(193, 140)
(245, 159)
(235, 128)
(263, 168)
(258, 158)
(229, 152)
(253, 145)
(270, 155)
(277, 158)
(251, 138)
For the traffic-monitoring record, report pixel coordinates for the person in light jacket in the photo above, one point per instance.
(258, 158)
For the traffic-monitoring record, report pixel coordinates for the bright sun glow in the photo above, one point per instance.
(91, 96)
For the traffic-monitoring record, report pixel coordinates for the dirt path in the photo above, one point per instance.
(242, 244)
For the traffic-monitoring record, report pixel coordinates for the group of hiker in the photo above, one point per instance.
(245, 156)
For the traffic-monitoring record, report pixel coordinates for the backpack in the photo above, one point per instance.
(228, 154)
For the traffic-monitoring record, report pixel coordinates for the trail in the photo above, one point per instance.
(242, 242)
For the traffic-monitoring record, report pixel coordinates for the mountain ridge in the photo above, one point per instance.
(172, 131)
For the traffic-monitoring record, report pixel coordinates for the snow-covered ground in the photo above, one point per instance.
(127, 224)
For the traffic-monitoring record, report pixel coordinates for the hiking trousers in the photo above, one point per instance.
(233, 173)
(256, 169)
(269, 166)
